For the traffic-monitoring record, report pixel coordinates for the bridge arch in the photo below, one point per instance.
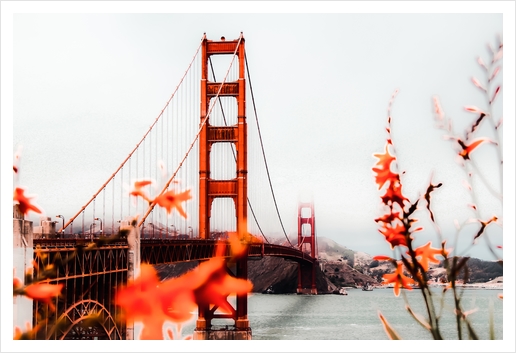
(76, 317)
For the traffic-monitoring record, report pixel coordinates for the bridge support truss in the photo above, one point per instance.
(89, 281)
(307, 244)
(236, 189)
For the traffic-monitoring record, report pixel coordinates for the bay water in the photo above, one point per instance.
(355, 316)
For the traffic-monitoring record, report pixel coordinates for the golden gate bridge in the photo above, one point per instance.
(201, 143)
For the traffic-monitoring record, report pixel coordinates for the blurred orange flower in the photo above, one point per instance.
(218, 284)
(427, 254)
(171, 200)
(399, 280)
(145, 300)
(137, 190)
(152, 302)
(239, 241)
(24, 202)
(238, 247)
(211, 283)
(394, 235)
(394, 194)
(43, 292)
(383, 168)
(385, 159)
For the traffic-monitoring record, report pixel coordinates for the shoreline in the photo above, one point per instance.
(497, 286)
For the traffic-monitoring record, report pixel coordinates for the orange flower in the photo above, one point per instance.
(24, 202)
(211, 283)
(427, 254)
(394, 194)
(395, 236)
(43, 292)
(151, 302)
(239, 241)
(399, 280)
(238, 248)
(388, 217)
(171, 200)
(145, 300)
(137, 191)
(385, 159)
(219, 286)
(383, 168)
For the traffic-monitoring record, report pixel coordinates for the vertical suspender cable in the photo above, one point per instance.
(113, 211)
(137, 145)
(234, 156)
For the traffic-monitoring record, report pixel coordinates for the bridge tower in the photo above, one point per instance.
(306, 243)
(236, 189)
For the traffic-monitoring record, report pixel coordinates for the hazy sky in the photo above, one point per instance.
(87, 83)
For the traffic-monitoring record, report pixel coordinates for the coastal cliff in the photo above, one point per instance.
(338, 267)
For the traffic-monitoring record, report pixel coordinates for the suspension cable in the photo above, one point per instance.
(234, 155)
(142, 140)
(263, 151)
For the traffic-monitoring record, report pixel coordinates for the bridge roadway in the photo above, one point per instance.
(153, 251)
(161, 251)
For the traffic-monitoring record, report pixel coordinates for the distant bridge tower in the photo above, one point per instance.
(236, 188)
(306, 243)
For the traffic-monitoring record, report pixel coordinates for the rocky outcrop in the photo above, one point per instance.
(280, 276)
(343, 275)
(338, 267)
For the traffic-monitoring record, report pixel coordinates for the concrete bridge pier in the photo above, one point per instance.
(231, 333)
(22, 260)
(306, 283)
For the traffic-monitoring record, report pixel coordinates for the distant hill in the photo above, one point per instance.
(339, 267)
(329, 250)
(480, 271)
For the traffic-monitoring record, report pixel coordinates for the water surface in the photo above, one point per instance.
(355, 316)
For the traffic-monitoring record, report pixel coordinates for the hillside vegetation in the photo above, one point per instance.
(339, 267)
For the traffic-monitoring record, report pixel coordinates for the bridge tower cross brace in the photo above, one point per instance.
(304, 241)
(236, 189)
